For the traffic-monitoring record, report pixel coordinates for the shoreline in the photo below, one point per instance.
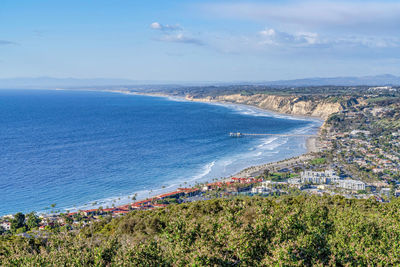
(256, 170)
(250, 171)
(312, 143)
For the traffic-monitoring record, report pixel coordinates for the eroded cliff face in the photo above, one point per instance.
(293, 105)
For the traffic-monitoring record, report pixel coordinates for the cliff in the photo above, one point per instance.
(293, 105)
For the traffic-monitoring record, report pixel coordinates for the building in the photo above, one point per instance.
(385, 192)
(294, 181)
(260, 190)
(190, 192)
(352, 185)
(325, 177)
(6, 226)
(356, 132)
(175, 194)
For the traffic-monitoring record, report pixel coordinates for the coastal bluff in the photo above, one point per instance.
(292, 105)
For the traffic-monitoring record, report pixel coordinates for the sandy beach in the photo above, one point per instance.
(312, 144)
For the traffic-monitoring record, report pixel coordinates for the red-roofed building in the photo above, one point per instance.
(175, 194)
(89, 212)
(190, 191)
(108, 210)
(120, 212)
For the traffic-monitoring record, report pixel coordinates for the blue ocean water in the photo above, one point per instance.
(82, 149)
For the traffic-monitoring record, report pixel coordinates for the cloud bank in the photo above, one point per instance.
(161, 27)
(175, 34)
(293, 27)
(361, 14)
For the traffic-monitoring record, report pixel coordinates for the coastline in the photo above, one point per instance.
(252, 171)
(312, 143)
(249, 171)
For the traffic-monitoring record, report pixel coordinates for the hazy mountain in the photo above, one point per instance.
(49, 82)
(385, 79)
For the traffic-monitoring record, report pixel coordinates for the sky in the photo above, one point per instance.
(199, 40)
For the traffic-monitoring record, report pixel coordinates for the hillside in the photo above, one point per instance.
(293, 105)
(291, 231)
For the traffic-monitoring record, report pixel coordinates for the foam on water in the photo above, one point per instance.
(80, 148)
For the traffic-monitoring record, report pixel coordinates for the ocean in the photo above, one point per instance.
(84, 149)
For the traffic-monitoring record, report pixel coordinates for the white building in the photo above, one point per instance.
(356, 132)
(385, 192)
(260, 190)
(325, 177)
(352, 185)
(6, 226)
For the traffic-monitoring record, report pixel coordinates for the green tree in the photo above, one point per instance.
(18, 221)
(266, 173)
(393, 188)
(68, 220)
(32, 220)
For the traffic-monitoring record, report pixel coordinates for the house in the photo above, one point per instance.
(119, 212)
(190, 191)
(89, 212)
(237, 188)
(352, 185)
(6, 226)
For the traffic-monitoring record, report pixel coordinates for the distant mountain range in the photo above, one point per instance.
(49, 82)
(386, 79)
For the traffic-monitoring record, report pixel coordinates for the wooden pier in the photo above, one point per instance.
(238, 134)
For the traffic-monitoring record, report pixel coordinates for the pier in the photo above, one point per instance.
(238, 134)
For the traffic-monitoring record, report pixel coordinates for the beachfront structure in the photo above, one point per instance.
(325, 177)
(260, 190)
(296, 182)
(352, 185)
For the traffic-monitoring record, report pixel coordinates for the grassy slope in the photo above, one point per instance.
(243, 231)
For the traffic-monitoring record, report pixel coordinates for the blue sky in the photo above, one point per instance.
(198, 40)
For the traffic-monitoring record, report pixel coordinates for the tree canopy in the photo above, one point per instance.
(288, 230)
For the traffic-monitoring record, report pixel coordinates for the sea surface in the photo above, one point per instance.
(84, 149)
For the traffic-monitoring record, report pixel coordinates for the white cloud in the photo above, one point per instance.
(312, 39)
(166, 27)
(174, 34)
(279, 38)
(180, 38)
(155, 26)
(366, 41)
(274, 41)
(314, 13)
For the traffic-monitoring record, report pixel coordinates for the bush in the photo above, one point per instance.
(288, 231)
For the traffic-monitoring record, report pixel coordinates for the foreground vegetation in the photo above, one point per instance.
(245, 231)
